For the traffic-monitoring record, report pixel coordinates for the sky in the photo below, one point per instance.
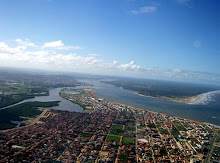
(159, 39)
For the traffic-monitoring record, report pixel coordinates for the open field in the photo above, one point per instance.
(117, 129)
(127, 140)
(113, 138)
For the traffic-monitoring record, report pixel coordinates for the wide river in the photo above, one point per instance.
(205, 113)
(209, 113)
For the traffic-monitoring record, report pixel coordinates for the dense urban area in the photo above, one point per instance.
(109, 132)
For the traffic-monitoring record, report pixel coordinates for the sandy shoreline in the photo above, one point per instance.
(180, 100)
(154, 112)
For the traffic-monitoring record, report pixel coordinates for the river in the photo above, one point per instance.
(54, 96)
(209, 113)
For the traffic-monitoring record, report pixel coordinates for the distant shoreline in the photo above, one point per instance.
(154, 112)
(180, 100)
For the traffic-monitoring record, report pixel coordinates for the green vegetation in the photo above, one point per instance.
(175, 133)
(164, 131)
(157, 88)
(158, 124)
(127, 140)
(117, 129)
(151, 125)
(15, 93)
(123, 157)
(113, 138)
(86, 134)
(179, 126)
(28, 109)
(129, 128)
(22, 124)
(141, 127)
(17, 88)
(66, 96)
(90, 161)
(80, 104)
(130, 123)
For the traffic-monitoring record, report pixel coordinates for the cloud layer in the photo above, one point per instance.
(53, 56)
(59, 45)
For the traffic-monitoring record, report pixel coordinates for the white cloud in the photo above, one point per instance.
(4, 48)
(115, 62)
(94, 55)
(53, 44)
(20, 56)
(176, 70)
(146, 9)
(25, 42)
(197, 44)
(129, 66)
(59, 45)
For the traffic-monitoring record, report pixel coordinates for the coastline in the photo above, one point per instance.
(180, 100)
(91, 93)
(153, 112)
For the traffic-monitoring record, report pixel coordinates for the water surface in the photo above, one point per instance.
(205, 113)
(54, 96)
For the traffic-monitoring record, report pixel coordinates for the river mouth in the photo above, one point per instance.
(209, 113)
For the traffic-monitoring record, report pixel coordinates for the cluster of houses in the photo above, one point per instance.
(112, 132)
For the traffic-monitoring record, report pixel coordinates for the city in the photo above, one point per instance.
(107, 132)
(109, 81)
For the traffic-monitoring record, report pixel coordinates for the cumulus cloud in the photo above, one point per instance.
(115, 62)
(129, 66)
(146, 9)
(4, 48)
(59, 45)
(21, 56)
(25, 42)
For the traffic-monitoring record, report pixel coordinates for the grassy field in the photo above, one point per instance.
(130, 123)
(86, 134)
(117, 129)
(164, 131)
(127, 140)
(175, 133)
(113, 138)
(179, 126)
(123, 157)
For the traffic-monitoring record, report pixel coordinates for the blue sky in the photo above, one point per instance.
(163, 39)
